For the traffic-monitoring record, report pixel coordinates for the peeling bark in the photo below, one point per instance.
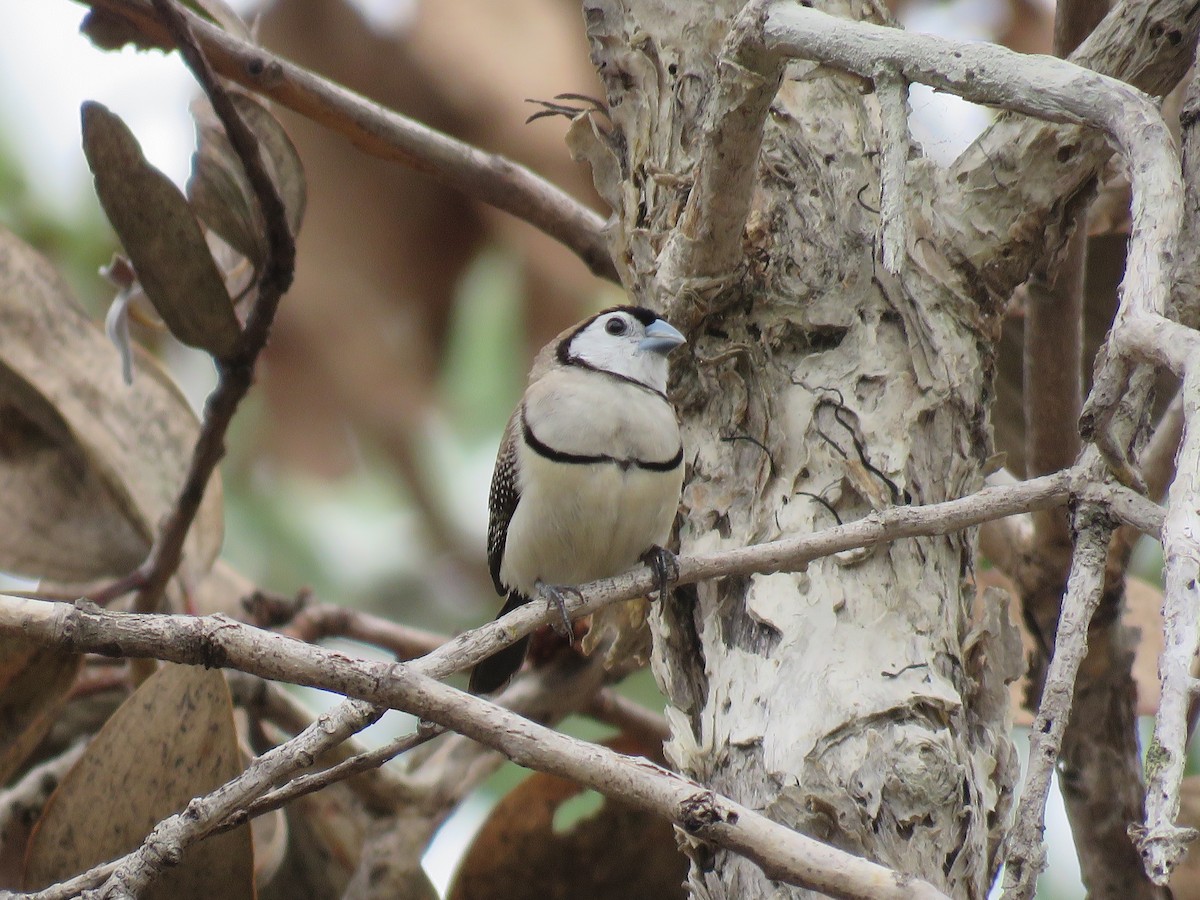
(849, 700)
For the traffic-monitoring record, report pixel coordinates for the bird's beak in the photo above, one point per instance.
(661, 337)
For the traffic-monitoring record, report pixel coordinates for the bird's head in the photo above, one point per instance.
(630, 342)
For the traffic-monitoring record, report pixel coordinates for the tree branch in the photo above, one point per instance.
(707, 241)
(219, 641)
(487, 177)
(214, 640)
(1160, 840)
(236, 372)
(1015, 188)
(892, 91)
(1026, 858)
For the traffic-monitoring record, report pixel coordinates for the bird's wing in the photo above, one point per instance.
(503, 498)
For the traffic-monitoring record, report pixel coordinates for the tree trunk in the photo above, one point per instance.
(854, 701)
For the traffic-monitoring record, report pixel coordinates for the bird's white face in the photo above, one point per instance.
(620, 341)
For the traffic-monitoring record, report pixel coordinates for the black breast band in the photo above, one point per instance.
(583, 459)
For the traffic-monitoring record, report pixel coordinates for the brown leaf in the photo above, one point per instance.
(283, 160)
(326, 831)
(112, 32)
(173, 740)
(160, 234)
(218, 187)
(34, 682)
(221, 194)
(617, 852)
(88, 465)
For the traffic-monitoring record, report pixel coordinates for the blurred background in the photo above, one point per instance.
(360, 466)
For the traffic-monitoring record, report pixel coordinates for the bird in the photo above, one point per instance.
(589, 471)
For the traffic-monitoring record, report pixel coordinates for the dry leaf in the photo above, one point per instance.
(616, 852)
(172, 740)
(219, 190)
(109, 31)
(88, 466)
(326, 832)
(160, 234)
(34, 682)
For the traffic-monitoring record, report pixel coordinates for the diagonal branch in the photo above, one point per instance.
(219, 641)
(1012, 193)
(1161, 841)
(487, 177)
(784, 854)
(707, 241)
(1026, 858)
(236, 371)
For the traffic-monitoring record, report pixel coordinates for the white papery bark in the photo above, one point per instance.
(850, 701)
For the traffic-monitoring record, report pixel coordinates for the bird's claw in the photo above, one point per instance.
(556, 595)
(665, 566)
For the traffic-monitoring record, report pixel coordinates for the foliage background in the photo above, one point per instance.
(359, 469)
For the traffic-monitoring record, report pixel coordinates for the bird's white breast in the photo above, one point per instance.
(577, 522)
(583, 412)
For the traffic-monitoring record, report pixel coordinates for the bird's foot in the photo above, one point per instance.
(665, 566)
(556, 594)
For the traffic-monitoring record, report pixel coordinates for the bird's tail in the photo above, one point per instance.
(493, 673)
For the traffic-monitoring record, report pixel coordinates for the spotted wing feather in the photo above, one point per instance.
(503, 498)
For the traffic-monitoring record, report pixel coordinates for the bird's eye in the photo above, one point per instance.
(616, 326)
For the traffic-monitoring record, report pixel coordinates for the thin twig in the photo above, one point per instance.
(236, 372)
(267, 700)
(783, 854)
(1026, 857)
(629, 717)
(212, 633)
(1160, 840)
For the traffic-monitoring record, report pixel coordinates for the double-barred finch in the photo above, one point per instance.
(589, 471)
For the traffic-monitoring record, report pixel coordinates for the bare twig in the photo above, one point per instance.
(1026, 858)
(486, 177)
(1157, 462)
(361, 763)
(163, 846)
(629, 717)
(306, 618)
(785, 855)
(28, 796)
(237, 371)
(267, 700)
(1160, 840)
(461, 651)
